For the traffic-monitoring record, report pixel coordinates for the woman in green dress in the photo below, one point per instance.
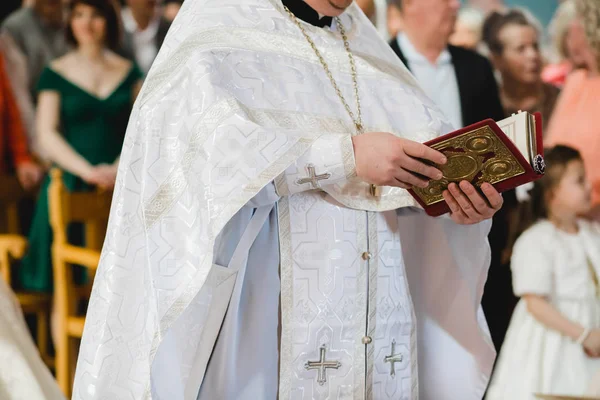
(85, 99)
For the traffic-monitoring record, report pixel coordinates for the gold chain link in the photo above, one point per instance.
(358, 119)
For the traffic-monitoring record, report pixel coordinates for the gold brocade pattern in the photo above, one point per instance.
(287, 301)
(348, 157)
(373, 245)
(361, 305)
(265, 42)
(177, 180)
(478, 156)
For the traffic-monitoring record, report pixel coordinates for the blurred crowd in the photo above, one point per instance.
(70, 71)
(66, 37)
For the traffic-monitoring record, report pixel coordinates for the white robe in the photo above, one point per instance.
(23, 374)
(235, 109)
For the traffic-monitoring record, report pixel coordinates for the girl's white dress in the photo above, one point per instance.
(534, 359)
(594, 389)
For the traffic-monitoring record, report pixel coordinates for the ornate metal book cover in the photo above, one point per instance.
(483, 152)
(476, 156)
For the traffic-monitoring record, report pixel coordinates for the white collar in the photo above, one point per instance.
(412, 54)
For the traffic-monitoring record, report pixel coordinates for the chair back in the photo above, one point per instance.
(12, 247)
(90, 209)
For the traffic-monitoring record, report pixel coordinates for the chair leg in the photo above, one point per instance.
(42, 334)
(63, 373)
(12, 222)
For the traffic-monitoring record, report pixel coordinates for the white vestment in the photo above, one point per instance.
(225, 274)
(23, 374)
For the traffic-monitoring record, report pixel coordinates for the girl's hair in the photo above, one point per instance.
(109, 9)
(589, 12)
(496, 21)
(559, 28)
(536, 208)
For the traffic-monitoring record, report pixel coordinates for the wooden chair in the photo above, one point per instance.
(11, 193)
(90, 209)
(13, 247)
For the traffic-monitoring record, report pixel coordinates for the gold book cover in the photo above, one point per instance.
(505, 154)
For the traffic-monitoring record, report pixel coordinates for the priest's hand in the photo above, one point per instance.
(468, 206)
(384, 159)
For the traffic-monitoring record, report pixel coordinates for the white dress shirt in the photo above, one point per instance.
(438, 80)
(144, 41)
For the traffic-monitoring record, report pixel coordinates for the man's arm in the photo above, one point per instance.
(382, 159)
(13, 125)
(28, 173)
(378, 158)
(13, 28)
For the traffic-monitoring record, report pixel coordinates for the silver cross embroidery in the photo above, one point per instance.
(322, 366)
(393, 358)
(313, 178)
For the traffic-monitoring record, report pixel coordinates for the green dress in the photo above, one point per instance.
(95, 128)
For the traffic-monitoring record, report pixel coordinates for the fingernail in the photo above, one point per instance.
(444, 160)
(439, 176)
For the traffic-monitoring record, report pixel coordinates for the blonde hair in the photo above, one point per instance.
(471, 17)
(589, 12)
(559, 27)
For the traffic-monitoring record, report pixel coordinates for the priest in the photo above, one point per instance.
(262, 244)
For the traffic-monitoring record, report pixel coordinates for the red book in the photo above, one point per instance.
(506, 154)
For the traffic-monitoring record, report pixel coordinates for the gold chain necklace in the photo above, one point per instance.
(358, 119)
(374, 190)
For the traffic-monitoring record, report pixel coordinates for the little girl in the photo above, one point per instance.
(552, 346)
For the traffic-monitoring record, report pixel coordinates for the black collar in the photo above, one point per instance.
(306, 13)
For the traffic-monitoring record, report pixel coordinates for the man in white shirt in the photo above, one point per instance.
(437, 78)
(460, 81)
(145, 31)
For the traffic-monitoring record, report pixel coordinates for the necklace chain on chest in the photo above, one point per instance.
(356, 119)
